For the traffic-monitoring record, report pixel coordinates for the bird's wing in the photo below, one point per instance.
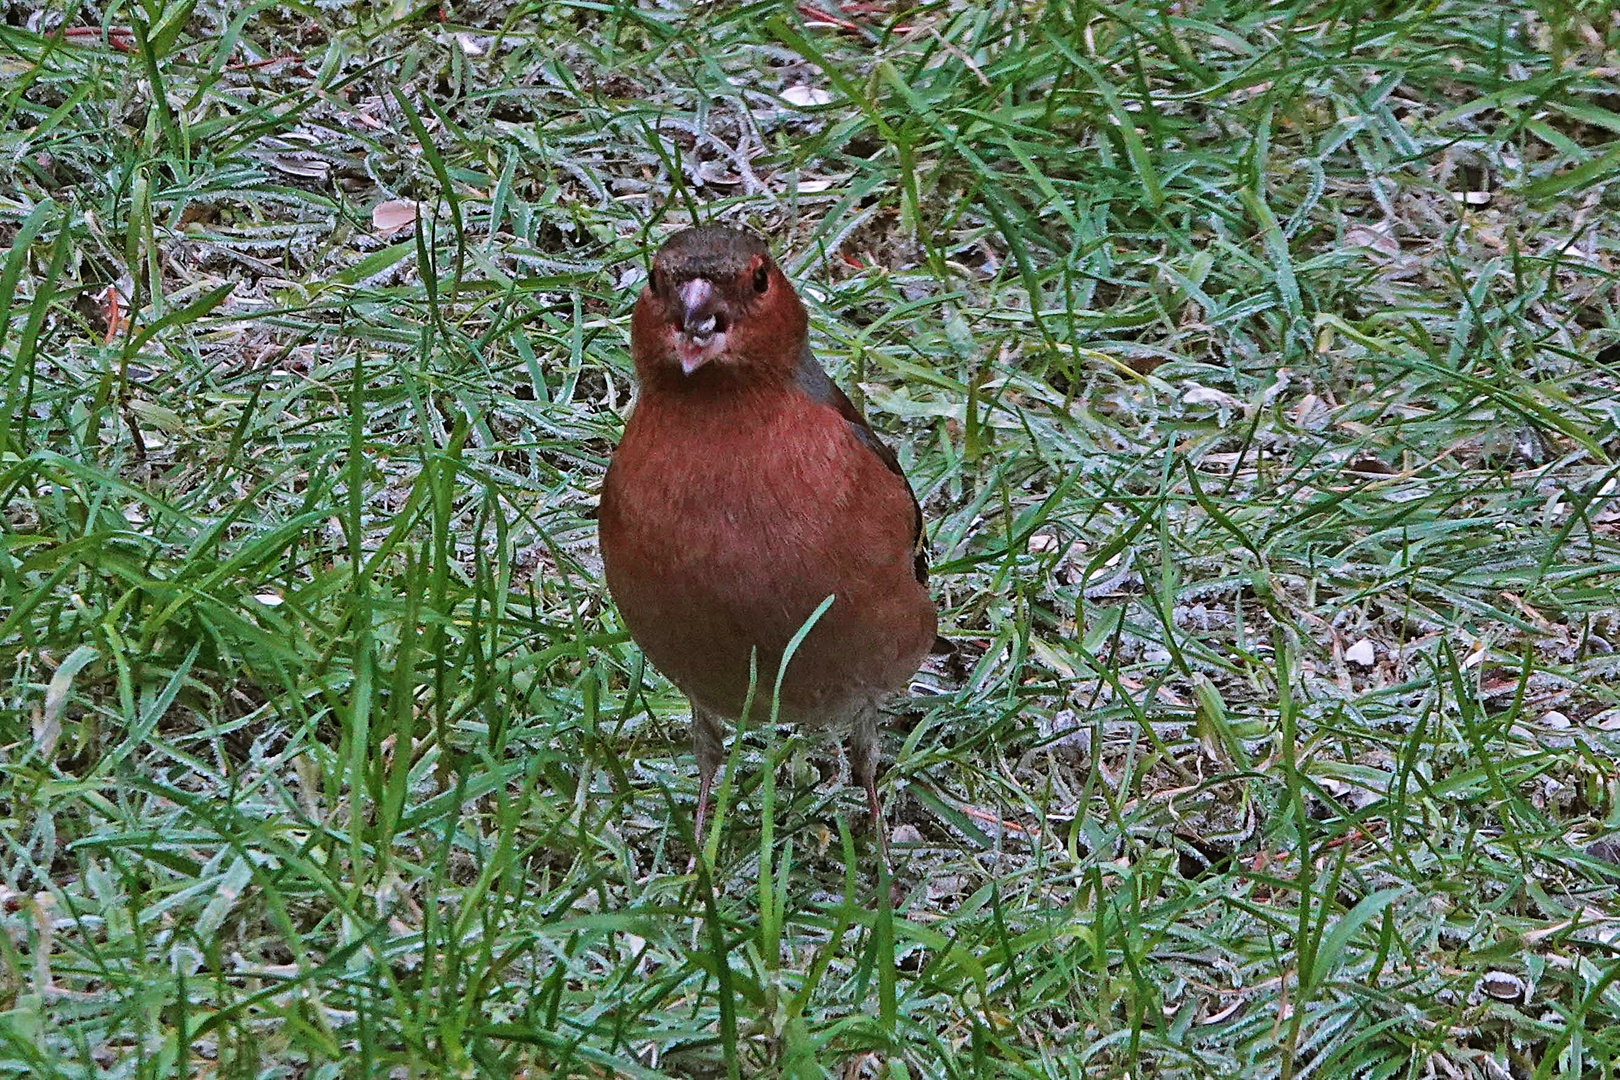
(821, 389)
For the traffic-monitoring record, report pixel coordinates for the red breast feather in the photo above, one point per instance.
(728, 516)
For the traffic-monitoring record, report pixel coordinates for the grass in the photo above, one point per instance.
(1258, 366)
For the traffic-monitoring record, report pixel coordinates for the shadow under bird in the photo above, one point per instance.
(746, 490)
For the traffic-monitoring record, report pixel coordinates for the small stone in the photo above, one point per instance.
(1362, 652)
(1502, 985)
(905, 834)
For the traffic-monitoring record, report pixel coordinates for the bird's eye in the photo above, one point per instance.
(762, 278)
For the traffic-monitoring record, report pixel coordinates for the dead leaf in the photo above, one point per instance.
(394, 215)
(1373, 238)
(301, 167)
(1206, 395)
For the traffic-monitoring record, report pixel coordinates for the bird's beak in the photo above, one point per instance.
(697, 318)
(701, 336)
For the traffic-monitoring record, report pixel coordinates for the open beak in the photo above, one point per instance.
(701, 335)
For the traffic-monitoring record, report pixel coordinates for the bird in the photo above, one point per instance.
(745, 490)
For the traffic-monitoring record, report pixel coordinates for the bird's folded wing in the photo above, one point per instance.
(820, 388)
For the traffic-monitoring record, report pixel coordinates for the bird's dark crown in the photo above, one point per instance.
(715, 252)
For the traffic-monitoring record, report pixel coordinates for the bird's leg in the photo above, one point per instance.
(863, 761)
(708, 745)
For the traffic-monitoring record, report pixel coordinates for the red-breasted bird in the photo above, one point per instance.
(746, 490)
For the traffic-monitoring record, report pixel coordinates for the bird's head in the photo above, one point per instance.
(715, 297)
